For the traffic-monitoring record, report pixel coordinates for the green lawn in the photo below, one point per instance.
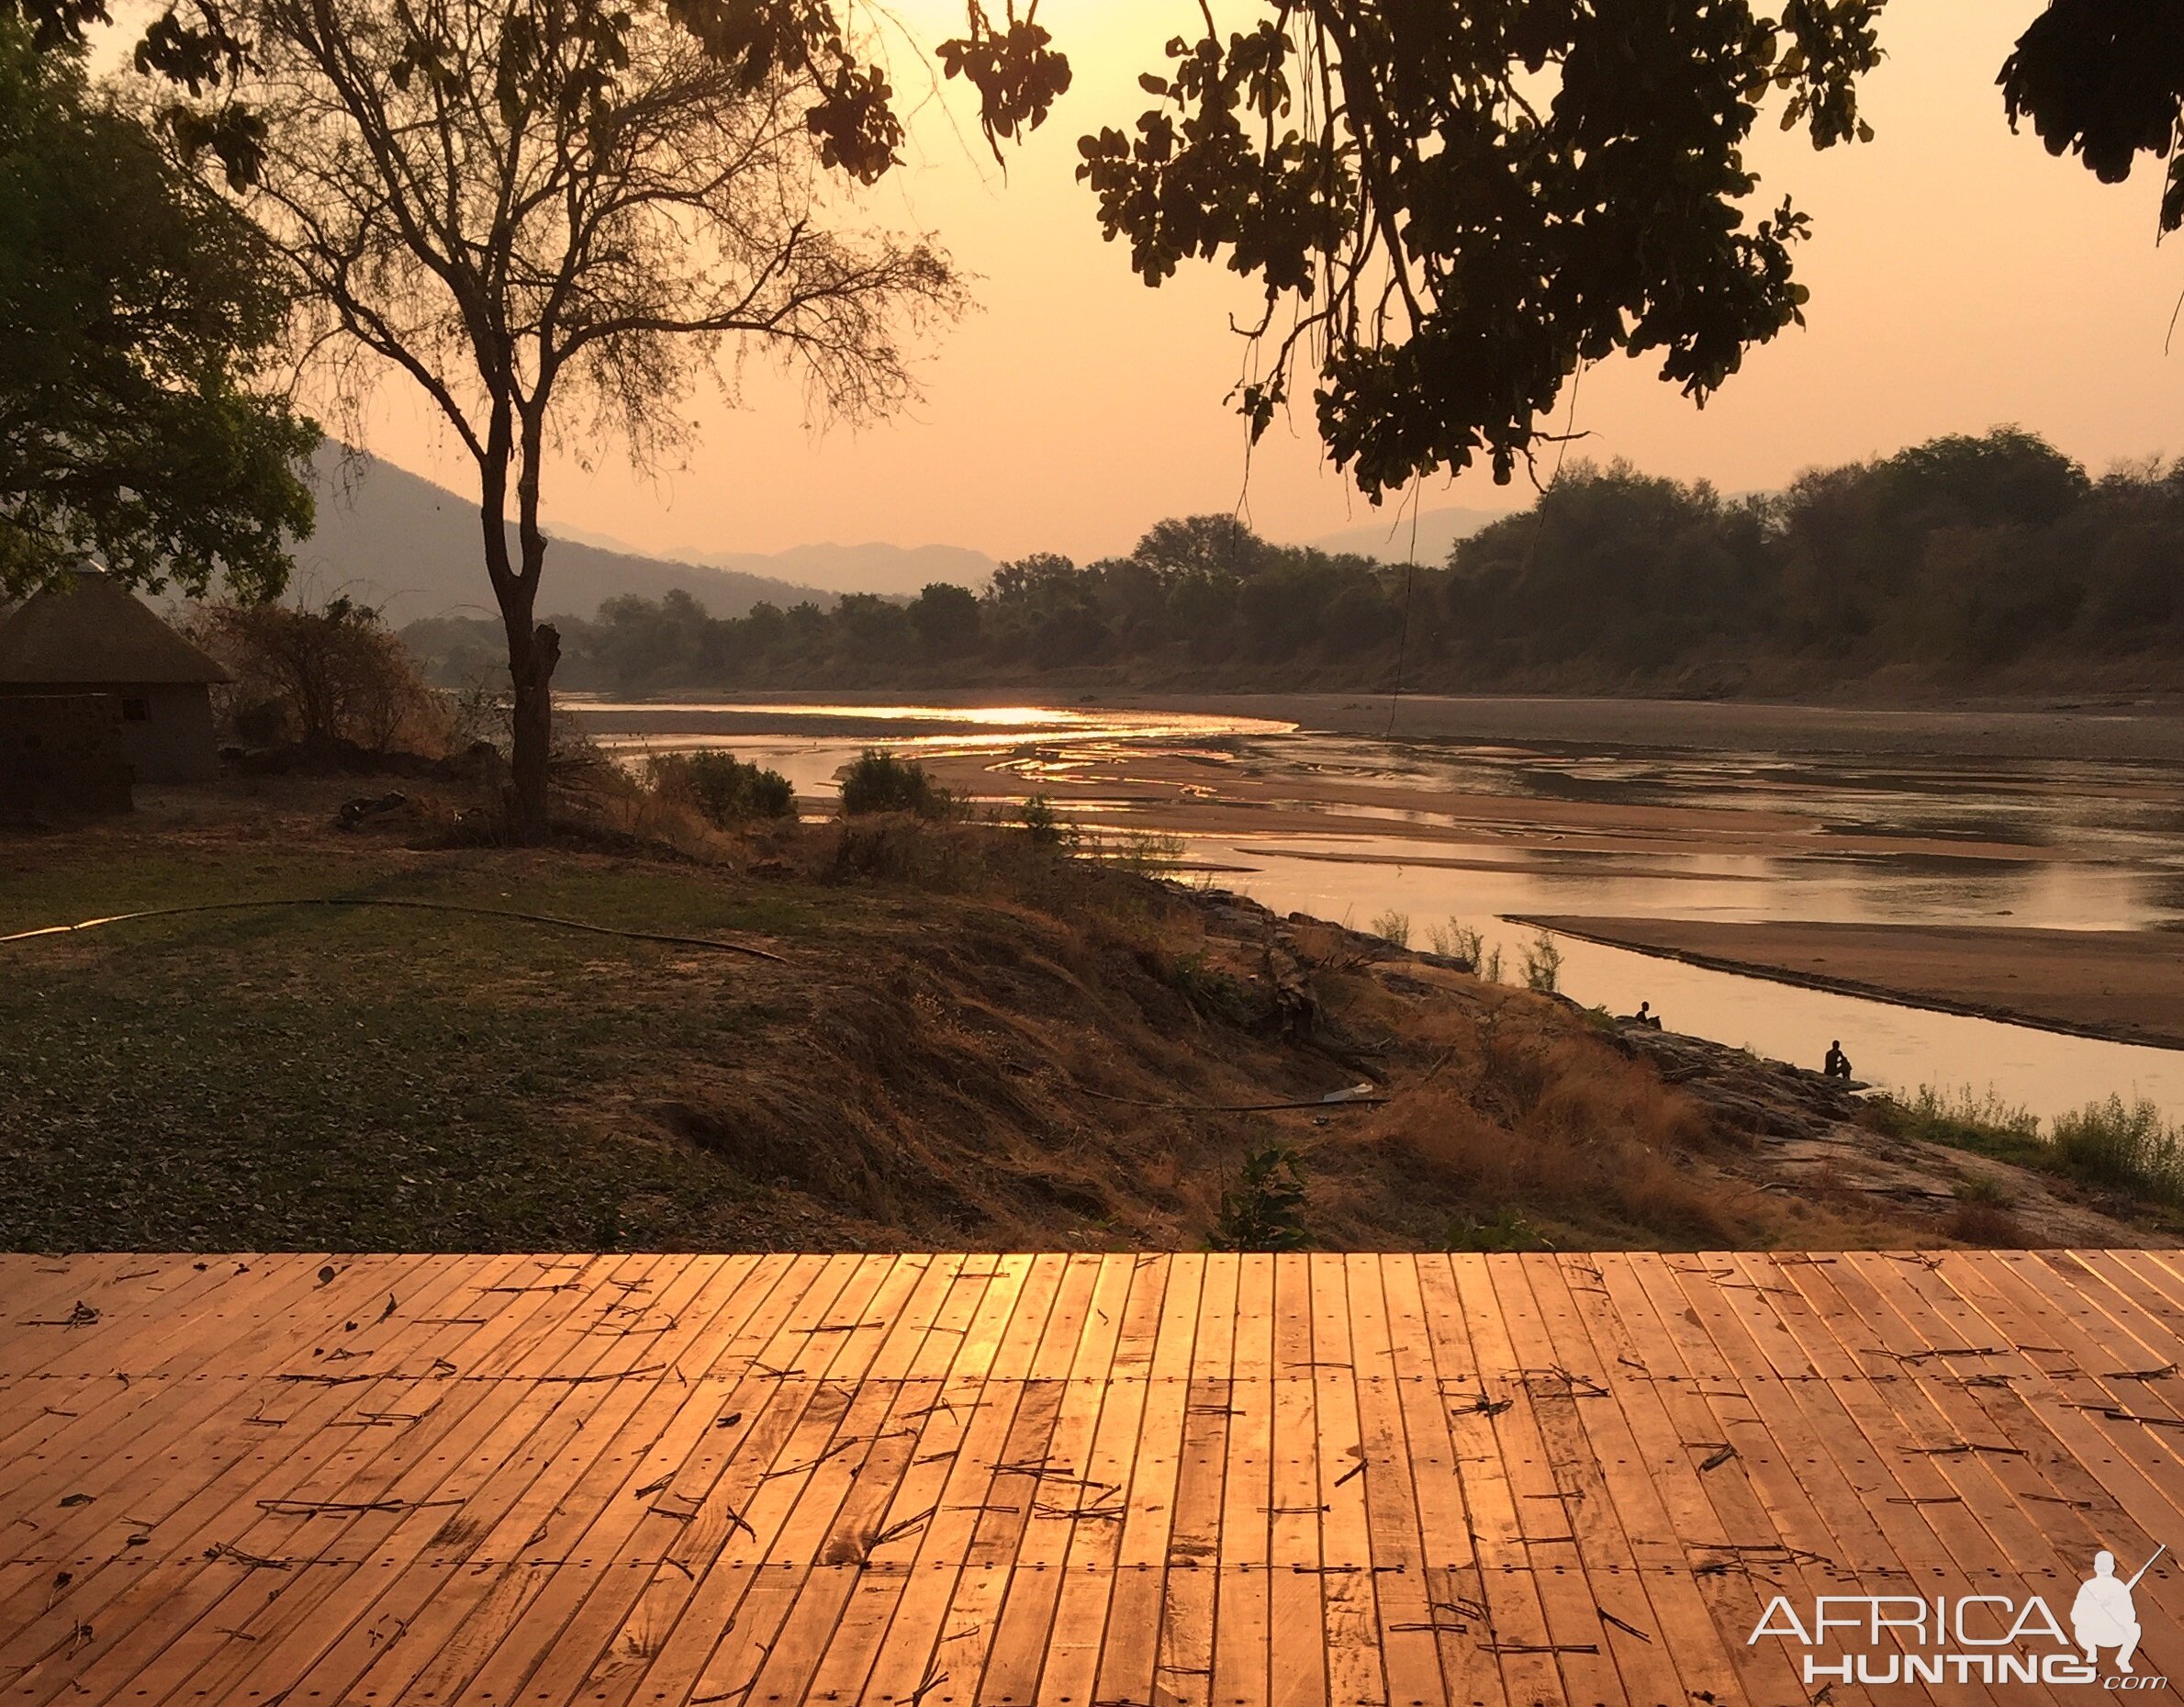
(367, 1078)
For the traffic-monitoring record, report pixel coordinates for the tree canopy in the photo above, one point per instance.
(555, 216)
(138, 315)
(1961, 560)
(1451, 204)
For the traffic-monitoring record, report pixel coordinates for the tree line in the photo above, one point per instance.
(1955, 561)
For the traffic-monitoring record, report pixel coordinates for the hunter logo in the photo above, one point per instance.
(1972, 1638)
(2104, 1615)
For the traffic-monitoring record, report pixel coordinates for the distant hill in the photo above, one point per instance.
(889, 571)
(393, 540)
(1388, 537)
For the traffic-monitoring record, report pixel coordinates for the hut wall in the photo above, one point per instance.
(62, 752)
(171, 740)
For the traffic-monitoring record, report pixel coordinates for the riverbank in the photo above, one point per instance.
(962, 1039)
(2126, 986)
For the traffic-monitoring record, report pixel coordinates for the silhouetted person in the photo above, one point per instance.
(2103, 1616)
(1646, 1017)
(1838, 1064)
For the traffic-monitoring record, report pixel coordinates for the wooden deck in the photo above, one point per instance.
(1078, 1481)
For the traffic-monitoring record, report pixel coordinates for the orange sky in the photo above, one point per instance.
(1960, 277)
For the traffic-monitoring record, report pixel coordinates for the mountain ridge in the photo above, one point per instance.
(412, 549)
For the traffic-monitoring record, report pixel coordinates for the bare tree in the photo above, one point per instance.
(555, 216)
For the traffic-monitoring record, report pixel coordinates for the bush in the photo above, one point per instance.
(1147, 853)
(879, 782)
(721, 786)
(1542, 965)
(1508, 1230)
(2131, 1148)
(1045, 826)
(322, 677)
(1965, 1120)
(1266, 1211)
(1392, 927)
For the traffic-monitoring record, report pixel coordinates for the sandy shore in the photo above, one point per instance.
(2127, 987)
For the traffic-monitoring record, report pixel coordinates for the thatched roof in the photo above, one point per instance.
(96, 632)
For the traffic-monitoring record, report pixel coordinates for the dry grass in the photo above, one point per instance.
(973, 1041)
(1520, 1109)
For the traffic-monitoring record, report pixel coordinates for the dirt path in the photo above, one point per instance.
(2127, 987)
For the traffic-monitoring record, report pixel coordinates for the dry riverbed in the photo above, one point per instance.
(2125, 985)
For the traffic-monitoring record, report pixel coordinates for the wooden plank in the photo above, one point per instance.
(1072, 1496)
(1242, 1631)
(201, 1497)
(981, 1507)
(1183, 1667)
(1404, 1625)
(1129, 1654)
(1625, 1515)
(1573, 1411)
(184, 1625)
(1119, 1481)
(1068, 1673)
(412, 1566)
(2088, 1480)
(764, 1655)
(727, 1501)
(952, 1383)
(524, 1453)
(322, 1603)
(1349, 1606)
(130, 1445)
(1297, 1586)
(43, 1323)
(1576, 1641)
(1512, 1629)
(1034, 1473)
(1455, 1591)
(1904, 1545)
(1747, 1539)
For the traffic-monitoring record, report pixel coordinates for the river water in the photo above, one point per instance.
(2039, 842)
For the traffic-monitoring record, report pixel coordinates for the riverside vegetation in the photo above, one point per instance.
(1992, 562)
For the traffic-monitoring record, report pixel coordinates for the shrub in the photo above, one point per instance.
(1144, 852)
(323, 679)
(1455, 940)
(1542, 965)
(721, 786)
(1266, 1211)
(1507, 1232)
(1045, 826)
(1392, 927)
(2128, 1147)
(1975, 1221)
(1965, 1120)
(879, 782)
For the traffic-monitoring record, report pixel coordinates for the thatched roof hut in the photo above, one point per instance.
(91, 634)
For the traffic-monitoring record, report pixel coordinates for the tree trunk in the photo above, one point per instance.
(532, 662)
(532, 649)
(532, 652)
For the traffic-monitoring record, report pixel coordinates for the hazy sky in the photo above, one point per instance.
(1960, 278)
